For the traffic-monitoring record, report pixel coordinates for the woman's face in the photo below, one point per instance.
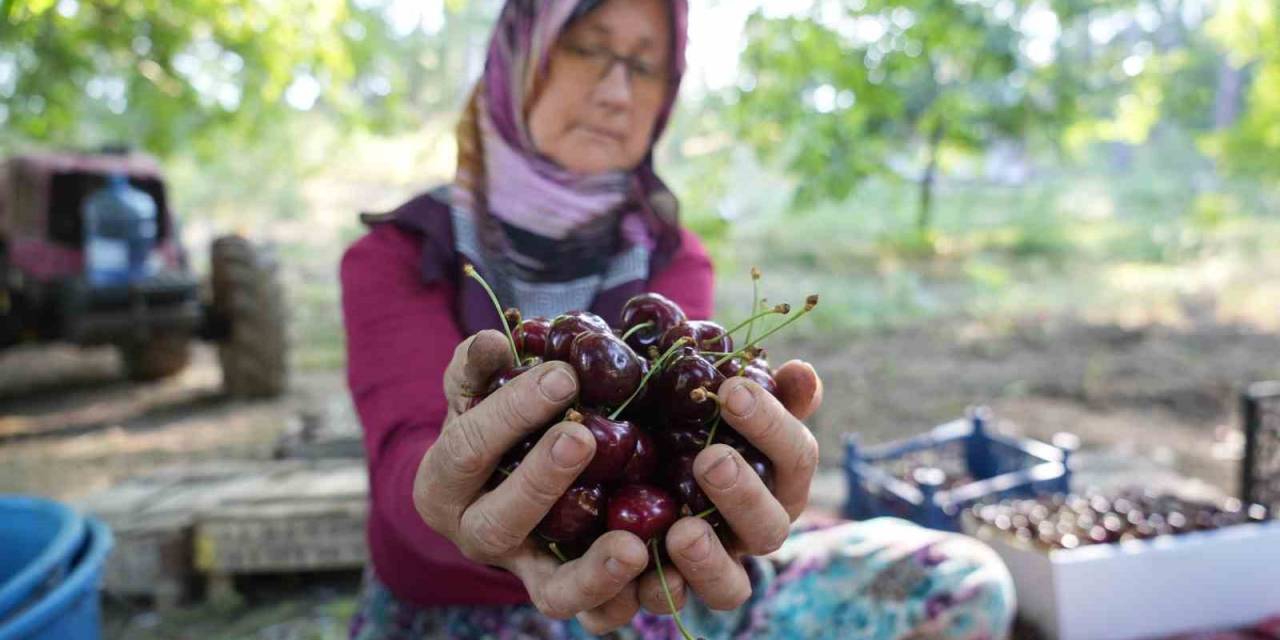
(607, 81)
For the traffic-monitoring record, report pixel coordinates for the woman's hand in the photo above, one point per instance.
(759, 520)
(493, 528)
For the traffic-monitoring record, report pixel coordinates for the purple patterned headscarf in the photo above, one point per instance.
(533, 220)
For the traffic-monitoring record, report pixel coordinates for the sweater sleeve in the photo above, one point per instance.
(400, 338)
(688, 278)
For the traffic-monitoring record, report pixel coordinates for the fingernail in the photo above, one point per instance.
(617, 569)
(699, 549)
(556, 385)
(724, 472)
(569, 450)
(741, 401)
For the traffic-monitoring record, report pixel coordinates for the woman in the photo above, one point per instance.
(557, 204)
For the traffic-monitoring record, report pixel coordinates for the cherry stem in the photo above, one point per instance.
(643, 325)
(782, 309)
(701, 395)
(755, 299)
(706, 513)
(657, 365)
(471, 272)
(711, 436)
(809, 305)
(671, 602)
(556, 550)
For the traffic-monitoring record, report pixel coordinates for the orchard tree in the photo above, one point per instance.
(858, 87)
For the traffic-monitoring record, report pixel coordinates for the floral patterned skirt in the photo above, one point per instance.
(879, 579)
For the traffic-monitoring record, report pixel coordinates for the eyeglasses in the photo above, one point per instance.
(596, 62)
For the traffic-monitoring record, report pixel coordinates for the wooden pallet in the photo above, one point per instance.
(228, 518)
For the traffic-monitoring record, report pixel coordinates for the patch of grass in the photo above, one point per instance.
(1079, 241)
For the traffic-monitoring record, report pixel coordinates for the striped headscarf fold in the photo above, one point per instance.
(535, 221)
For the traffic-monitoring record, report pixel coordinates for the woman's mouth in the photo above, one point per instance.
(606, 135)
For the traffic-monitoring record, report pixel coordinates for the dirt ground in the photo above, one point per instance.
(1154, 406)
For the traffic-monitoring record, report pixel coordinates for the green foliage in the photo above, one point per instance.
(201, 76)
(859, 88)
(1250, 32)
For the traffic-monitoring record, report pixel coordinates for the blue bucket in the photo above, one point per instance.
(38, 541)
(70, 611)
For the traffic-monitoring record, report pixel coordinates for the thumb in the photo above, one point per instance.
(799, 388)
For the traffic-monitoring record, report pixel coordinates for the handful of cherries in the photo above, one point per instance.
(647, 393)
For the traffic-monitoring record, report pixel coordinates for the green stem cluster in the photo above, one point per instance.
(782, 309)
(810, 303)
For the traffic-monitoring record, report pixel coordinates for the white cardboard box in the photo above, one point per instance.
(1212, 580)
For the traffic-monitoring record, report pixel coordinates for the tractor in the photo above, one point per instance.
(65, 278)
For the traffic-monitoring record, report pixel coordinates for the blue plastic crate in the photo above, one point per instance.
(931, 478)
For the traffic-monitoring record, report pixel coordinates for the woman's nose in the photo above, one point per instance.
(614, 89)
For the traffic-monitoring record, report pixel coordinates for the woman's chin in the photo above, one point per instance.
(593, 160)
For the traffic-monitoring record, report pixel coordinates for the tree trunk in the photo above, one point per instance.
(924, 219)
(1226, 103)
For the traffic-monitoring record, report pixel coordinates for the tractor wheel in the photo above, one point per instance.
(159, 357)
(248, 296)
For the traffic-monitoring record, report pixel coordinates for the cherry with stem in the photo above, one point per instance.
(638, 328)
(657, 366)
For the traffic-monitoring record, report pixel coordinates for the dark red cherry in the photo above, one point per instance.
(649, 307)
(505, 375)
(681, 480)
(708, 336)
(643, 462)
(608, 370)
(501, 379)
(758, 463)
(762, 360)
(684, 374)
(615, 445)
(531, 337)
(642, 509)
(578, 514)
(761, 377)
(679, 437)
(564, 328)
(731, 367)
(676, 438)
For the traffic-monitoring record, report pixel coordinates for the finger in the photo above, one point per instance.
(613, 561)
(799, 388)
(475, 360)
(653, 598)
(500, 520)
(767, 425)
(613, 614)
(756, 517)
(456, 467)
(708, 569)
